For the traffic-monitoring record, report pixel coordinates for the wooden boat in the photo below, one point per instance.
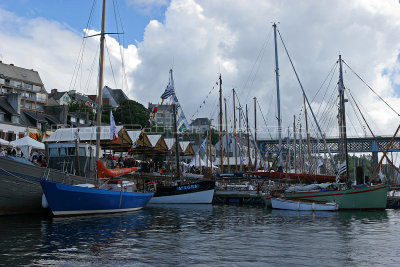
(287, 204)
(368, 197)
(65, 199)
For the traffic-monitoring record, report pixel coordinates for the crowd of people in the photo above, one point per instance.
(38, 158)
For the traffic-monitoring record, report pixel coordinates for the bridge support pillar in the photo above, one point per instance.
(374, 162)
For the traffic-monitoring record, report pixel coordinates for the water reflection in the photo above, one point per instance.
(203, 235)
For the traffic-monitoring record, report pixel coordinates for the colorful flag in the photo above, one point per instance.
(113, 128)
(169, 91)
(342, 170)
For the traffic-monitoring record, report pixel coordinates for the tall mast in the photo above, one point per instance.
(220, 125)
(227, 137)
(240, 136)
(294, 144)
(199, 148)
(178, 169)
(255, 131)
(308, 136)
(278, 98)
(248, 139)
(234, 129)
(342, 119)
(100, 94)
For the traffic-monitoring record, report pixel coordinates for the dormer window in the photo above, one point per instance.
(15, 119)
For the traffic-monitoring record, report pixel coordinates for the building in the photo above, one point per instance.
(25, 82)
(164, 116)
(204, 123)
(56, 98)
(111, 96)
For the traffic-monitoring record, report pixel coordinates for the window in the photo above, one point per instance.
(21, 135)
(71, 151)
(37, 88)
(63, 151)
(82, 152)
(28, 86)
(1, 116)
(81, 121)
(15, 119)
(53, 152)
(73, 119)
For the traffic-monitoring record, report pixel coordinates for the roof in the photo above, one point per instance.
(85, 134)
(57, 95)
(40, 117)
(6, 107)
(115, 96)
(27, 141)
(19, 73)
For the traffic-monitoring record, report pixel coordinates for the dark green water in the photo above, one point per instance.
(188, 235)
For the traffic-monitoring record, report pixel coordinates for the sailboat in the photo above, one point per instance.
(352, 197)
(111, 196)
(195, 192)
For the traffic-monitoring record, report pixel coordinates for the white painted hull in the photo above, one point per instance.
(285, 204)
(202, 197)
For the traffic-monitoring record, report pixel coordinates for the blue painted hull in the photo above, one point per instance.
(74, 200)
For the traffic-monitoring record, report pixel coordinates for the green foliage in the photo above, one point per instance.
(131, 112)
(80, 107)
(214, 136)
(105, 114)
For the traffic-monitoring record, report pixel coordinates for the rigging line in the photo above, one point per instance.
(304, 94)
(328, 107)
(357, 115)
(83, 45)
(326, 78)
(329, 84)
(369, 128)
(109, 59)
(92, 69)
(265, 121)
(257, 62)
(371, 89)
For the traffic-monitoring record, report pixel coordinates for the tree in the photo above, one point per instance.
(81, 107)
(131, 112)
(105, 114)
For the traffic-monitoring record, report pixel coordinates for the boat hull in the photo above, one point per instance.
(196, 193)
(20, 190)
(67, 200)
(371, 197)
(201, 197)
(285, 204)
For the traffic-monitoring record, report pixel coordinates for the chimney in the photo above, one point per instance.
(54, 90)
(14, 99)
(11, 64)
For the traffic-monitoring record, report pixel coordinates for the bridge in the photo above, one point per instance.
(354, 145)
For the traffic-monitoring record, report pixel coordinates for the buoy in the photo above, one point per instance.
(45, 204)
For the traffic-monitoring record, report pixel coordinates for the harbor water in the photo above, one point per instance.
(204, 235)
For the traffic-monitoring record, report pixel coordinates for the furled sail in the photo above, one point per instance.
(103, 172)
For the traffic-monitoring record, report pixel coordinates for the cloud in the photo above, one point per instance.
(200, 39)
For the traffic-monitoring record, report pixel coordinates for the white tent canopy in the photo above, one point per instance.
(27, 144)
(27, 141)
(4, 142)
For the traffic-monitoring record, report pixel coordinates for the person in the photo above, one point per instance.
(13, 152)
(2, 154)
(19, 151)
(114, 163)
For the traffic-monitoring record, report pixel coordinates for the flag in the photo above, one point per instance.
(169, 91)
(113, 128)
(181, 121)
(342, 169)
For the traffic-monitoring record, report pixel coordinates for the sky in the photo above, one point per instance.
(201, 39)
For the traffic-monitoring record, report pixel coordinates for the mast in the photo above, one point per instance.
(234, 129)
(278, 98)
(255, 131)
(294, 144)
(308, 136)
(220, 125)
(178, 169)
(100, 94)
(240, 136)
(199, 148)
(248, 139)
(227, 137)
(342, 120)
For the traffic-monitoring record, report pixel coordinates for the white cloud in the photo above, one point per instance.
(200, 39)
